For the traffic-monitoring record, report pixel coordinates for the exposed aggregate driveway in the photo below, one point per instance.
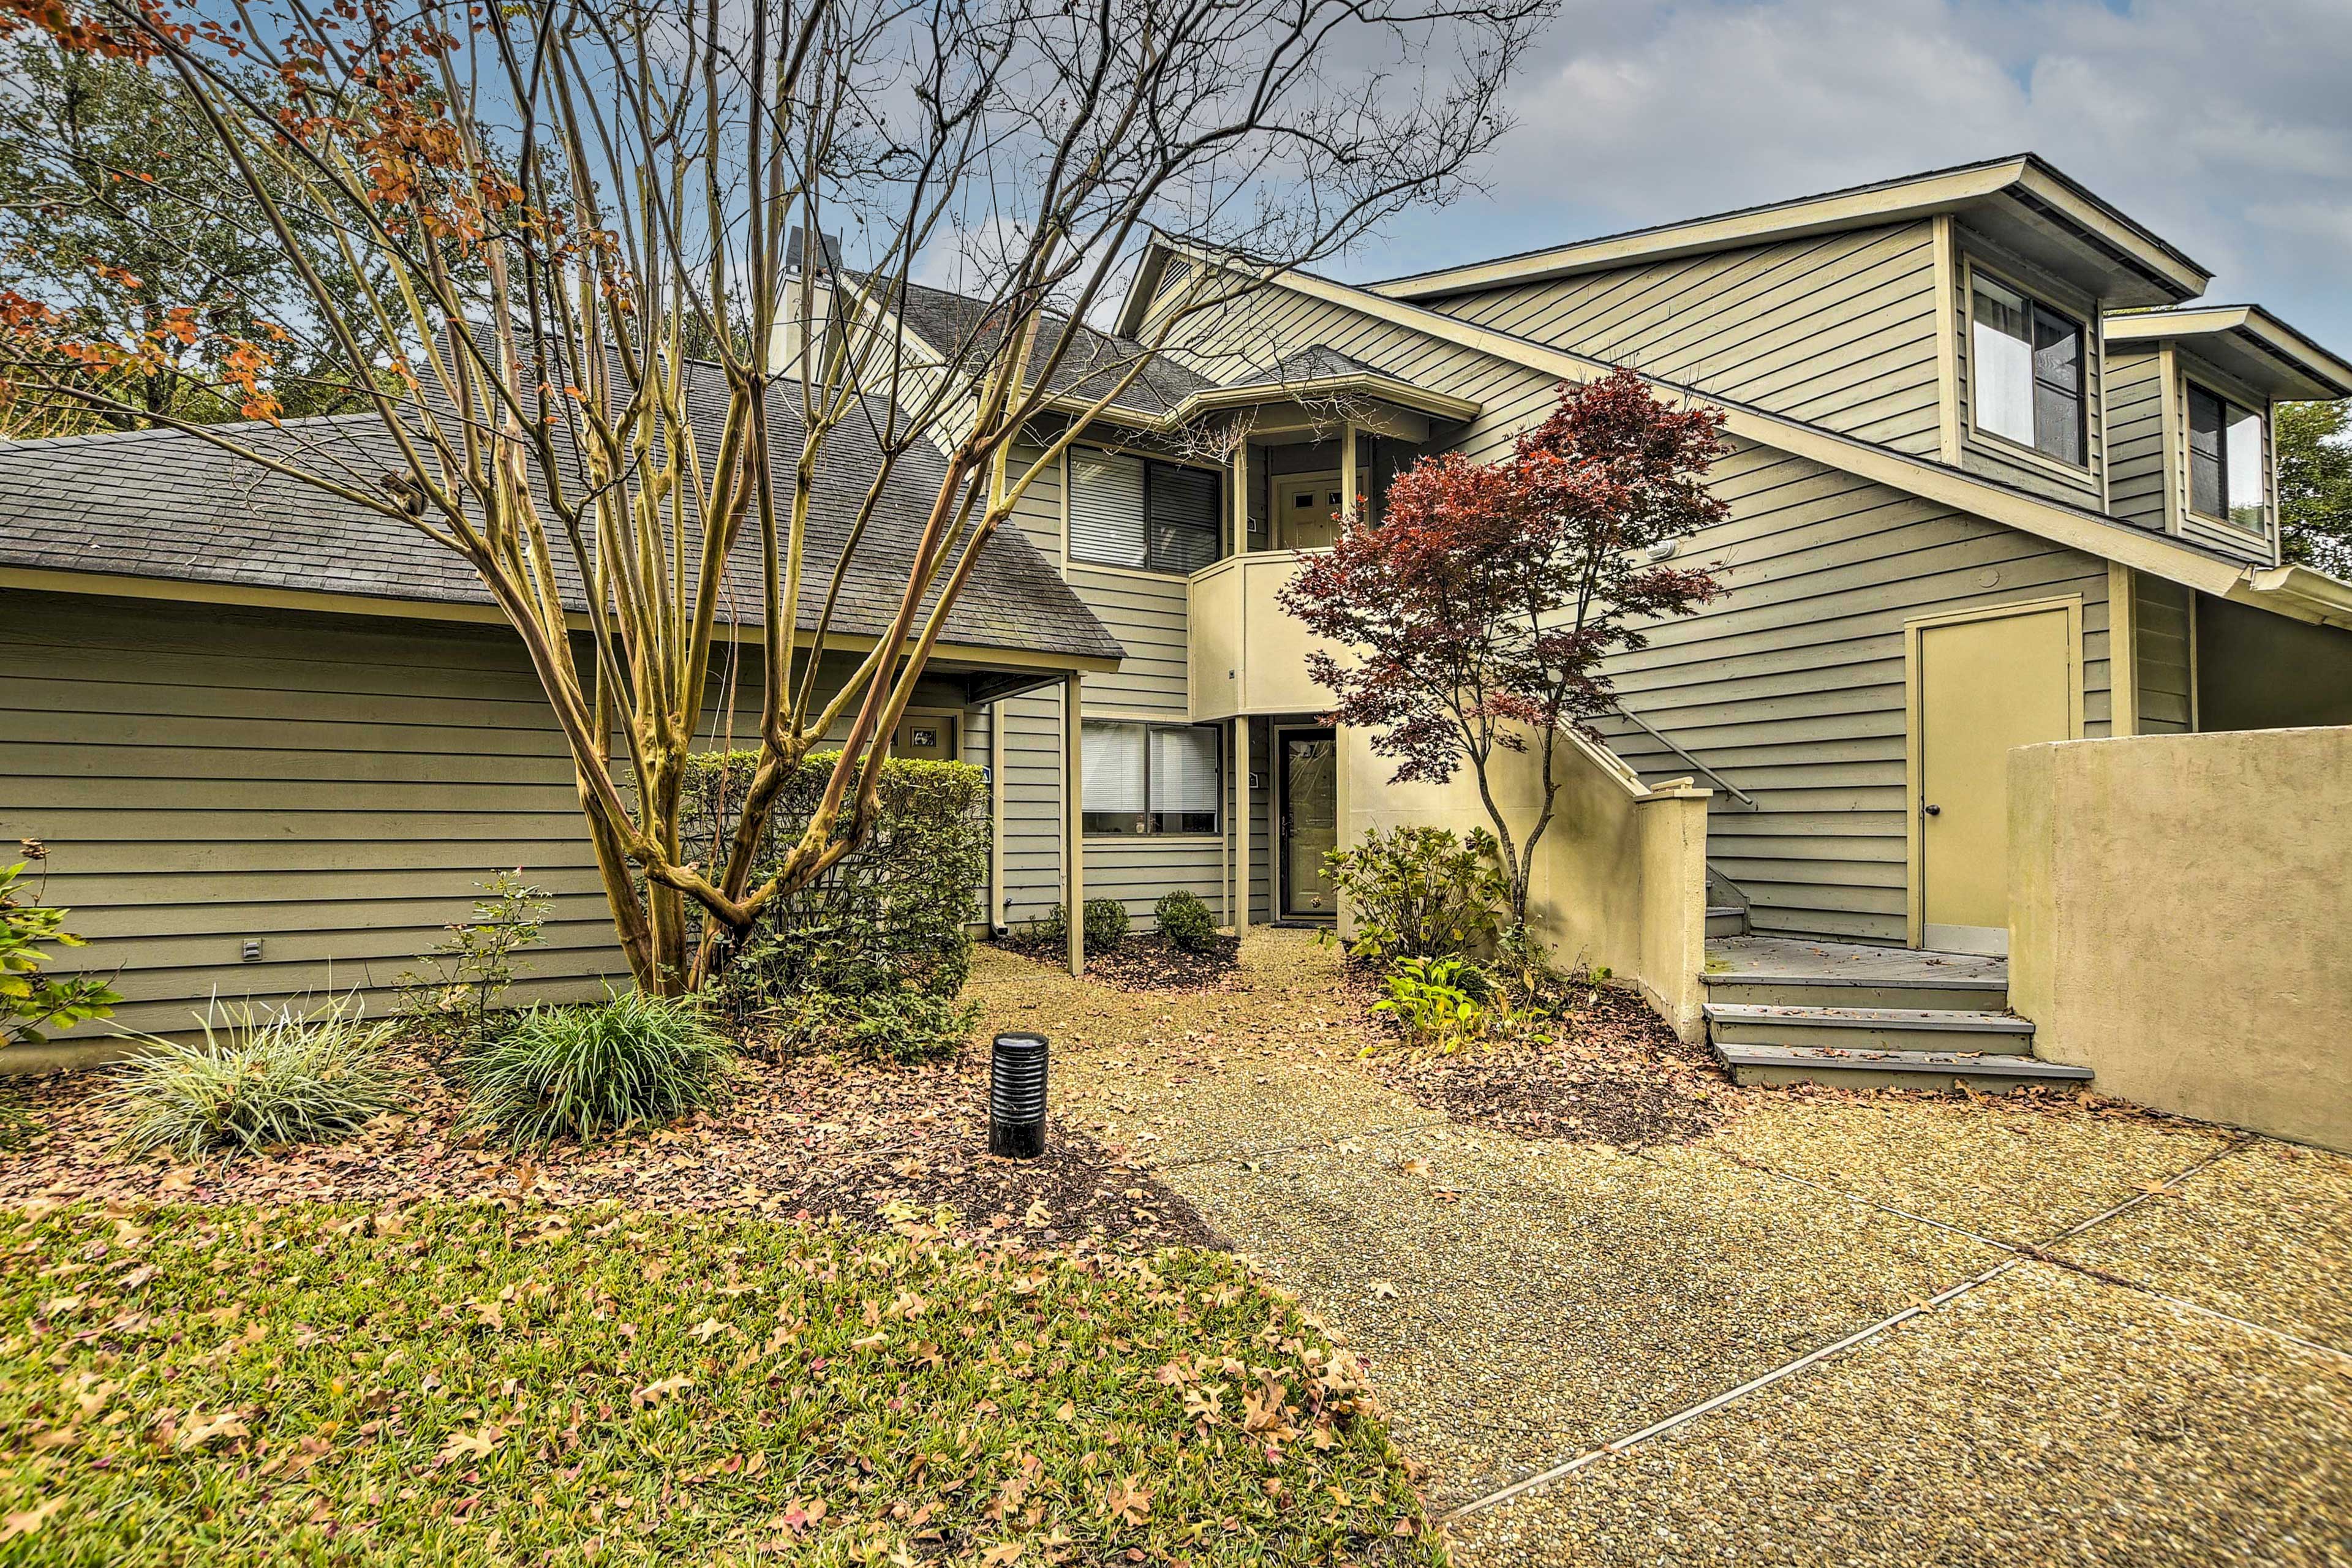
(2117, 1339)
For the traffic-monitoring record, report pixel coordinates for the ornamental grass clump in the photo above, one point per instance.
(580, 1071)
(261, 1077)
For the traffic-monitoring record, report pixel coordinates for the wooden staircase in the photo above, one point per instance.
(1783, 1012)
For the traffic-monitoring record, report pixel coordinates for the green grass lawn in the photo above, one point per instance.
(464, 1383)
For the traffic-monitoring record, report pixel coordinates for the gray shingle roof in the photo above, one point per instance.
(159, 503)
(955, 325)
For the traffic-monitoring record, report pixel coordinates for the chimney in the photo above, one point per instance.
(801, 280)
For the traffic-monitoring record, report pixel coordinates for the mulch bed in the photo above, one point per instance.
(807, 1137)
(1615, 1074)
(1145, 961)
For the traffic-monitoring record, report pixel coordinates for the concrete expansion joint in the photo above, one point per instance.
(2018, 1255)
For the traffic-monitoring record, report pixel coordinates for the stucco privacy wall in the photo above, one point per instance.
(2176, 920)
(1620, 877)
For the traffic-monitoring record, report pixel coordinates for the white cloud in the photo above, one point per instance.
(2226, 128)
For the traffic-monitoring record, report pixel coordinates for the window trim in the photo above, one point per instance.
(2094, 370)
(2191, 384)
(1070, 550)
(1217, 835)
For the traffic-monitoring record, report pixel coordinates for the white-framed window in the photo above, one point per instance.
(1144, 514)
(1142, 779)
(2225, 461)
(2026, 366)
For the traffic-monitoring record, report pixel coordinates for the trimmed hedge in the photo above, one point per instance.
(892, 915)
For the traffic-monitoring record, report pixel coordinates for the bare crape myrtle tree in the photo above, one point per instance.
(553, 243)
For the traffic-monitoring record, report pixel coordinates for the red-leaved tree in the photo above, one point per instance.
(1479, 606)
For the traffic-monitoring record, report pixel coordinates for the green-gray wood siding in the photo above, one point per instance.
(335, 786)
(1837, 329)
(1791, 685)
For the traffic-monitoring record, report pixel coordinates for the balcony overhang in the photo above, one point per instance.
(1247, 655)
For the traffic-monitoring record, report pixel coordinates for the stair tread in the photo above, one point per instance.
(1956, 1019)
(1992, 1063)
(1856, 982)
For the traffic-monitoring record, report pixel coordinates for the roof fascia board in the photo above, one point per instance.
(1143, 286)
(1896, 202)
(176, 590)
(1385, 388)
(1928, 480)
(1819, 214)
(2263, 332)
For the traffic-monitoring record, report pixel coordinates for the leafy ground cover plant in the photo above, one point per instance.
(30, 1001)
(261, 1077)
(449, 999)
(458, 1382)
(1441, 1002)
(582, 1071)
(1184, 921)
(882, 1026)
(1420, 892)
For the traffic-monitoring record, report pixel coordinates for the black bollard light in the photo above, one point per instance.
(1016, 1097)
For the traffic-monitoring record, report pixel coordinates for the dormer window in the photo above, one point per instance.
(2026, 361)
(2225, 461)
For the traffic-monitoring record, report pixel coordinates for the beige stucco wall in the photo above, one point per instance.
(1620, 877)
(2178, 913)
(1248, 655)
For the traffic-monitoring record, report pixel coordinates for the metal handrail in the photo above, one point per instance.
(1668, 742)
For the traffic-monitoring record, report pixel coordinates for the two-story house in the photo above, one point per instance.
(1997, 479)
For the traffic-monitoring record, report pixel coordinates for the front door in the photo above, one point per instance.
(1308, 808)
(1306, 509)
(1985, 688)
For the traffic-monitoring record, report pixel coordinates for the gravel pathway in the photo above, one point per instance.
(1523, 1303)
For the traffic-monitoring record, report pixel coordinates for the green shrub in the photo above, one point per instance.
(894, 914)
(29, 1000)
(881, 1025)
(579, 1071)
(1184, 921)
(1051, 929)
(261, 1078)
(461, 980)
(1106, 925)
(1421, 892)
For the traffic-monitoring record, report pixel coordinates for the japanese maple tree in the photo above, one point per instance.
(1479, 606)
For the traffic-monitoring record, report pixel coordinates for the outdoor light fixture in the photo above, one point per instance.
(1016, 1097)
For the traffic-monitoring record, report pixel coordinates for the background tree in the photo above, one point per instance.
(2314, 484)
(116, 207)
(1477, 611)
(548, 207)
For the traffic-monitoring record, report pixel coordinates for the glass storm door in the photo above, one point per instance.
(1311, 822)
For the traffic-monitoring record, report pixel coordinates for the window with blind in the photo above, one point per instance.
(2026, 366)
(1146, 778)
(2225, 461)
(1147, 515)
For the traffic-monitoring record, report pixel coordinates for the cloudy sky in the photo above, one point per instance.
(2224, 125)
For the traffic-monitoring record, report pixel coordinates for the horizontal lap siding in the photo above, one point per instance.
(335, 786)
(2161, 613)
(2135, 403)
(1793, 683)
(1837, 329)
